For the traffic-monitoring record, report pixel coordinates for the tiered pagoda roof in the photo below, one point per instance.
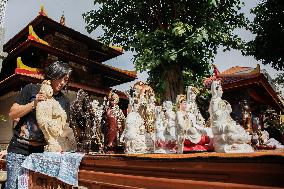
(84, 54)
(257, 82)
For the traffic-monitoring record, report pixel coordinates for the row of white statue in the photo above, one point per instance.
(154, 129)
(184, 130)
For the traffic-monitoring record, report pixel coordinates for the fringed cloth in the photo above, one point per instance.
(63, 166)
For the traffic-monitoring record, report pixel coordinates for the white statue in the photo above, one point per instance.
(194, 113)
(160, 141)
(134, 133)
(149, 117)
(3, 4)
(190, 139)
(51, 118)
(170, 123)
(270, 141)
(98, 111)
(229, 137)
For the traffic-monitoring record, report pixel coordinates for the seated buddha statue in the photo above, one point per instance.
(134, 133)
(189, 137)
(229, 137)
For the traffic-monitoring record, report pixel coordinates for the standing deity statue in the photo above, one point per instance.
(160, 140)
(149, 116)
(170, 124)
(229, 137)
(113, 124)
(147, 103)
(190, 139)
(246, 117)
(82, 120)
(96, 129)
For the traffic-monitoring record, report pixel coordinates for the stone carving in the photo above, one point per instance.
(194, 113)
(51, 118)
(271, 142)
(160, 140)
(113, 124)
(229, 137)
(134, 133)
(190, 138)
(246, 117)
(82, 121)
(170, 124)
(98, 113)
(260, 137)
(145, 96)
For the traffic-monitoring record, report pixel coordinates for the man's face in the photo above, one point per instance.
(59, 84)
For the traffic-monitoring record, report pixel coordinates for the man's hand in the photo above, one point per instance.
(39, 97)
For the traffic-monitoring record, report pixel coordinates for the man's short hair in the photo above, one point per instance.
(57, 70)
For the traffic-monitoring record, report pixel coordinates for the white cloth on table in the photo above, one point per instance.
(63, 166)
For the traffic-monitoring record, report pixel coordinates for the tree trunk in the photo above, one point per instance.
(173, 83)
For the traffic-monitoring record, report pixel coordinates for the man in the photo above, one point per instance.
(28, 137)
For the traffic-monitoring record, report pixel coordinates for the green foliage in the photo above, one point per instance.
(203, 101)
(280, 79)
(268, 26)
(168, 33)
(272, 119)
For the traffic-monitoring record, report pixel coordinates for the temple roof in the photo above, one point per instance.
(111, 76)
(18, 80)
(44, 25)
(237, 70)
(256, 81)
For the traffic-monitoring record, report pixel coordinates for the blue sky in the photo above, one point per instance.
(20, 12)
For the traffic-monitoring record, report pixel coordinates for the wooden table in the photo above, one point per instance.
(257, 170)
(174, 171)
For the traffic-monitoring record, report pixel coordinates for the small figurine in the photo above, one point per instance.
(82, 121)
(229, 137)
(193, 111)
(134, 133)
(113, 125)
(96, 129)
(160, 141)
(189, 137)
(170, 124)
(246, 117)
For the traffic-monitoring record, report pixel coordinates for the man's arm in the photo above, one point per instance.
(18, 111)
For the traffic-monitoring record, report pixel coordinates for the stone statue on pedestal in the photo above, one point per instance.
(134, 133)
(170, 124)
(160, 141)
(229, 137)
(113, 125)
(190, 139)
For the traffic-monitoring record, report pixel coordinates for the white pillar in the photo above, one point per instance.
(3, 4)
